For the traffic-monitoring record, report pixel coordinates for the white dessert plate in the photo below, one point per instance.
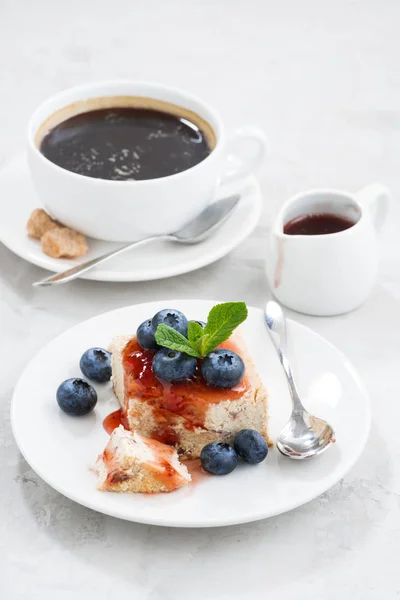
(63, 449)
(155, 260)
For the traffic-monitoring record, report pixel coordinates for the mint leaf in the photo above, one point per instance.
(222, 320)
(172, 339)
(195, 331)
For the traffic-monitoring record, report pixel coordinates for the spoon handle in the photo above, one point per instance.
(276, 324)
(73, 273)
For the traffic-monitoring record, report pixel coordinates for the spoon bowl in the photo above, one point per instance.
(305, 436)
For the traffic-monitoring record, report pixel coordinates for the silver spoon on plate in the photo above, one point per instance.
(197, 230)
(304, 435)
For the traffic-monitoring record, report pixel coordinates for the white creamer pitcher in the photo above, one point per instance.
(333, 273)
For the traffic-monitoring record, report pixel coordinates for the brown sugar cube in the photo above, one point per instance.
(39, 223)
(64, 243)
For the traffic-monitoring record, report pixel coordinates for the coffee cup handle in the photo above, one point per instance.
(240, 165)
(377, 200)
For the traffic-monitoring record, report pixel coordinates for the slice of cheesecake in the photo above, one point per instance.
(187, 414)
(134, 463)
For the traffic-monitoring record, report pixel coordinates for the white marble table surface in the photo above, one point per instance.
(322, 79)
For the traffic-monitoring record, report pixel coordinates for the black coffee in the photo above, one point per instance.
(125, 143)
(317, 224)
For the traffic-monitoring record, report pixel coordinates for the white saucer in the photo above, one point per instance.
(63, 449)
(155, 260)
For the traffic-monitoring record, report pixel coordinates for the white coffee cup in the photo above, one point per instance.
(328, 274)
(124, 211)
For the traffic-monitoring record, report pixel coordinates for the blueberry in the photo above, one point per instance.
(173, 366)
(95, 364)
(218, 458)
(173, 318)
(251, 446)
(145, 336)
(201, 323)
(222, 368)
(76, 397)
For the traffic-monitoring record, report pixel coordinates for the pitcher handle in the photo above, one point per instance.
(376, 199)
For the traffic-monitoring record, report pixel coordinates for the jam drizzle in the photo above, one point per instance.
(114, 420)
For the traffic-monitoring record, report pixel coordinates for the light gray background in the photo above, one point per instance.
(323, 80)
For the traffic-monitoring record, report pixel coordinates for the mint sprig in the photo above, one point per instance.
(221, 321)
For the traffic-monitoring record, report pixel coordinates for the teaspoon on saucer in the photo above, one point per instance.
(304, 435)
(197, 230)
